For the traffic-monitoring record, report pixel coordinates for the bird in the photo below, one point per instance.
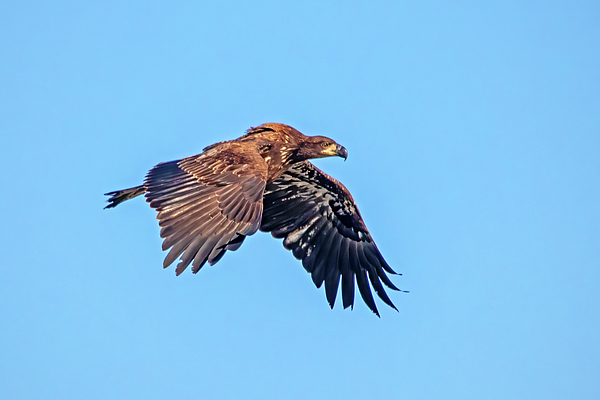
(210, 202)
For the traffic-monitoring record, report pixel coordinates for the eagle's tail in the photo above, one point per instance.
(119, 196)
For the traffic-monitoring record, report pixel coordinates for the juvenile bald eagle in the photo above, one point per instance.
(208, 204)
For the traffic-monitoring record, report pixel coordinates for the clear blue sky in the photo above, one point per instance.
(473, 134)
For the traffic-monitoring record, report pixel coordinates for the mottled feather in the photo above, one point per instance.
(321, 225)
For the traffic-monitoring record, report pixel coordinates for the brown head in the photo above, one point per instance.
(319, 147)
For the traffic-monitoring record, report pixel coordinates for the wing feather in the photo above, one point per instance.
(320, 223)
(206, 203)
(332, 278)
(365, 291)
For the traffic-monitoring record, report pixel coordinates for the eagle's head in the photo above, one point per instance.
(319, 147)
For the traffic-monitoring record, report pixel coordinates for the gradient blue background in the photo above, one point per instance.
(473, 133)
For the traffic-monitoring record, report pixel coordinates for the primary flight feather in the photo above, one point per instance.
(208, 203)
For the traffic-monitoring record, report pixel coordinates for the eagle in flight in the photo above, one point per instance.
(208, 204)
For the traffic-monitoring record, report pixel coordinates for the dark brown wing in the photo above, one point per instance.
(322, 227)
(207, 204)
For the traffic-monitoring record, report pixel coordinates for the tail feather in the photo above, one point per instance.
(119, 196)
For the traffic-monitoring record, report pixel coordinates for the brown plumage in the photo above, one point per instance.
(208, 203)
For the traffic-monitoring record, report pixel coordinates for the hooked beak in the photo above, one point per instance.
(341, 151)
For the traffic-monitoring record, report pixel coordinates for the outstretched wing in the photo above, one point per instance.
(321, 225)
(208, 203)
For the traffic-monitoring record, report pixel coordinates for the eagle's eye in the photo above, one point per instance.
(325, 144)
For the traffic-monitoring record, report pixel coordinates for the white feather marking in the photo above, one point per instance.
(297, 234)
